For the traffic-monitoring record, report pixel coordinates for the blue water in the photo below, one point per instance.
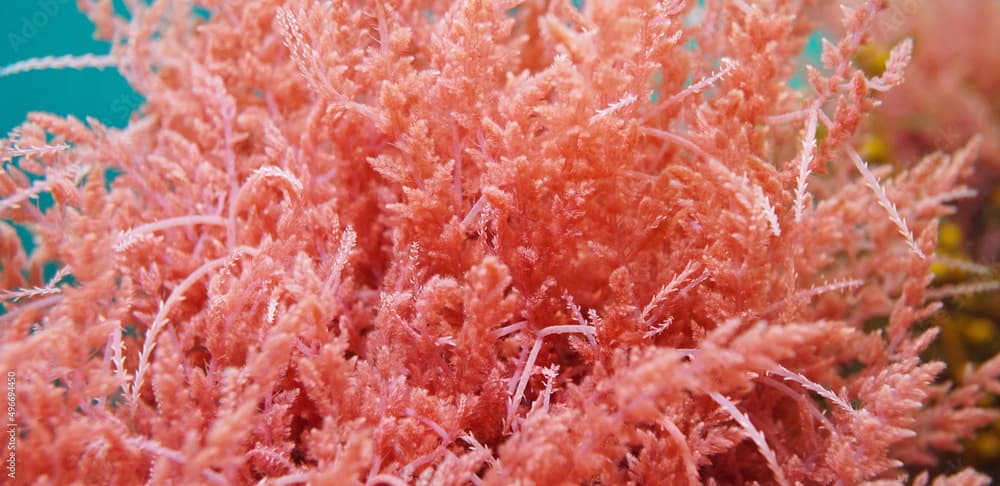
(35, 28)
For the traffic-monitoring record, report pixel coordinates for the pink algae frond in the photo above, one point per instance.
(480, 242)
(59, 62)
(754, 434)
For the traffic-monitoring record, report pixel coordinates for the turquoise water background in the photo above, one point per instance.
(36, 28)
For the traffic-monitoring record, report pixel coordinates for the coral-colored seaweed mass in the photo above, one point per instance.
(487, 242)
